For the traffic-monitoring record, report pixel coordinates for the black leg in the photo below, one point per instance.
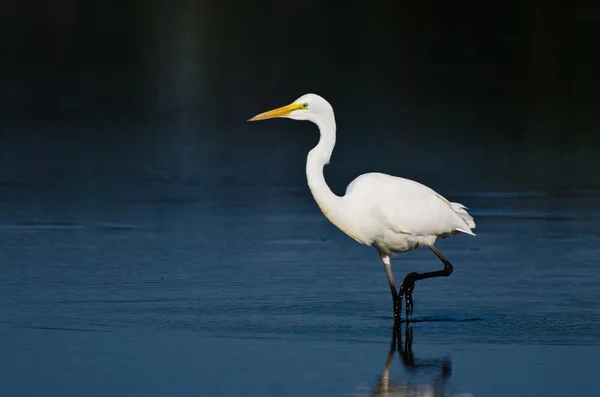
(396, 300)
(408, 285)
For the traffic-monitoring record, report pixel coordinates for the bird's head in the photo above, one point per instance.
(310, 107)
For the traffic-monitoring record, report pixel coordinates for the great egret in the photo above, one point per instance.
(390, 213)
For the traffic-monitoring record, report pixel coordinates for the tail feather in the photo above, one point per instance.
(464, 215)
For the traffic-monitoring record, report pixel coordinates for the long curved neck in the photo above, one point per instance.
(317, 158)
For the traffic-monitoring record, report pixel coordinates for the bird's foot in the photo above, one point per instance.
(406, 290)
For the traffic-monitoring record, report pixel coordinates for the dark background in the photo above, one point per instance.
(99, 86)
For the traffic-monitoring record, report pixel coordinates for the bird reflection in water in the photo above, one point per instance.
(440, 367)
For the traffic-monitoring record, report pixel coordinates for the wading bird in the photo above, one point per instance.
(390, 213)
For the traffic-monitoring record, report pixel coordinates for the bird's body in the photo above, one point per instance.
(391, 213)
(397, 214)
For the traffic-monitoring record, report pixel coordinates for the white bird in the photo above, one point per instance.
(390, 213)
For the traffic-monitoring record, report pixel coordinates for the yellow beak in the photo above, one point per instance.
(279, 112)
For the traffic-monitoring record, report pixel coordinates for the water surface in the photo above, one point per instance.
(210, 278)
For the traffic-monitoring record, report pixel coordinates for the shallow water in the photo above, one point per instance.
(221, 281)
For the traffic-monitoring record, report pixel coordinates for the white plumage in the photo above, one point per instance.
(392, 214)
(399, 214)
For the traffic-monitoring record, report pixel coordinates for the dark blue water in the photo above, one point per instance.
(207, 270)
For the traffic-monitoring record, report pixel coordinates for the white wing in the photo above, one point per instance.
(408, 207)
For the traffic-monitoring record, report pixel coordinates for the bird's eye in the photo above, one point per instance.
(304, 105)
